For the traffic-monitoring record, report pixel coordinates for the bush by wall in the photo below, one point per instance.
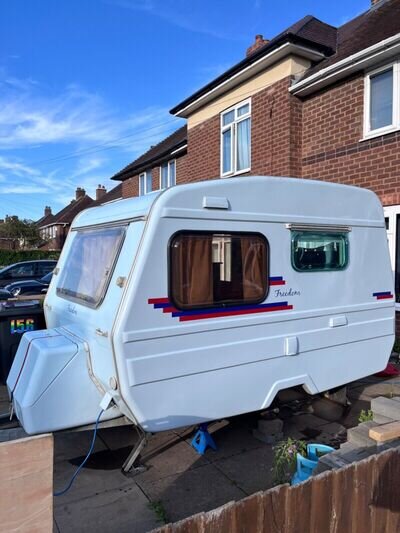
(8, 257)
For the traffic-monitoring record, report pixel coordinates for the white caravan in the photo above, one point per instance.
(203, 301)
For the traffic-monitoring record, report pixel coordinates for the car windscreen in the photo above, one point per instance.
(47, 278)
(89, 264)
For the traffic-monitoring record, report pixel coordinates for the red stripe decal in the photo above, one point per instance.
(158, 300)
(384, 297)
(278, 282)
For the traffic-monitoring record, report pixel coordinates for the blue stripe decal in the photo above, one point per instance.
(387, 293)
(276, 278)
(195, 312)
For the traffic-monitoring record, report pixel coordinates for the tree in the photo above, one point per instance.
(24, 232)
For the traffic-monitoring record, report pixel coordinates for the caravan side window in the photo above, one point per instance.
(217, 269)
(314, 251)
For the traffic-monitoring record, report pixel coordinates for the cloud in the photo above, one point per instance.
(30, 117)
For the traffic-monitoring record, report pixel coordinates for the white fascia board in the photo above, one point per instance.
(361, 60)
(179, 149)
(250, 71)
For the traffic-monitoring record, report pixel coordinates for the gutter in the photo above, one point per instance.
(277, 53)
(358, 61)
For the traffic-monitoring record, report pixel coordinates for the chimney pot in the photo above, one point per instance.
(47, 211)
(100, 192)
(80, 193)
(258, 43)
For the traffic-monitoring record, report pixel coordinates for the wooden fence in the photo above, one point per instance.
(26, 485)
(363, 497)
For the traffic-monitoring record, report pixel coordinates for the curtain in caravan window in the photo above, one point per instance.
(192, 270)
(254, 267)
(214, 270)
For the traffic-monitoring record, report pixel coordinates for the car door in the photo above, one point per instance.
(21, 272)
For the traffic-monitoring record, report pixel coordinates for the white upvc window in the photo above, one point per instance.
(392, 219)
(236, 139)
(145, 182)
(168, 174)
(381, 100)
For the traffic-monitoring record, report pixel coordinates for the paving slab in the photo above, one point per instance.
(166, 456)
(387, 407)
(68, 445)
(231, 439)
(387, 388)
(124, 510)
(193, 491)
(251, 471)
(94, 478)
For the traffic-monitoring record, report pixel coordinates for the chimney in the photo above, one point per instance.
(100, 192)
(80, 193)
(47, 211)
(258, 43)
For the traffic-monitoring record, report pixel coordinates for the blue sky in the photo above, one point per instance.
(86, 85)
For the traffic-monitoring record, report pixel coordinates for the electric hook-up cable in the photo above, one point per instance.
(66, 489)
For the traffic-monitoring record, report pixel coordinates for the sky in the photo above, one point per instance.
(86, 85)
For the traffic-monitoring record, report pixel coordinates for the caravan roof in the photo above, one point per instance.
(255, 197)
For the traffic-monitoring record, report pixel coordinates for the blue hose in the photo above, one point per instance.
(61, 492)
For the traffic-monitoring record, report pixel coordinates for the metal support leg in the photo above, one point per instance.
(128, 464)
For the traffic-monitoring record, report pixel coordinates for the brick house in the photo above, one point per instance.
(315, 102)
(54, 228)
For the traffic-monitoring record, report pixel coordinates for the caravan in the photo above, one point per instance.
(205, 300)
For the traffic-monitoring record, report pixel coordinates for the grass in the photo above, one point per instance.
(396, 346)
(160, 512)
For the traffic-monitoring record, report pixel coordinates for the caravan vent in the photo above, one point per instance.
(215, 202)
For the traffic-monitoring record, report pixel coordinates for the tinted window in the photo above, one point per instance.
(22, 271)
(45, 268)
(89, 264)
(319, 251)
(217, 269)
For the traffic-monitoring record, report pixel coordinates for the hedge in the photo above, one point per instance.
(8, 257)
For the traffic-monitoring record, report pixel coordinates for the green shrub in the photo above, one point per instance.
(8, 257)
(365, 416)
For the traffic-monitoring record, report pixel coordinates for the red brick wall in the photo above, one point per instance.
(130, 187)
(331, 147)
(275, 134)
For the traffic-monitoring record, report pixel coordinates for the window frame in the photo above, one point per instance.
(369, 133)
(82, 301)
(218, 304)
(144, 175)
(295, 232)
(233, 128)
(168, 164)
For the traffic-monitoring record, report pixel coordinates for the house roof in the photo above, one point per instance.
(378, 23)
(69, 212)
(155, 155)
(308, 31)
(45, 221)
(113, 194)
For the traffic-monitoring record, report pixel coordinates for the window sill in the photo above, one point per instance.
(381, 133)
(233, 174)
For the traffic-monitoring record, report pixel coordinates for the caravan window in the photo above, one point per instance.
(218, 269)
(314, 251)
(89, 264)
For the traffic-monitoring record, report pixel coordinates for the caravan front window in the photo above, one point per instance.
(89, 264)
(218, 269)
(313, 251)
